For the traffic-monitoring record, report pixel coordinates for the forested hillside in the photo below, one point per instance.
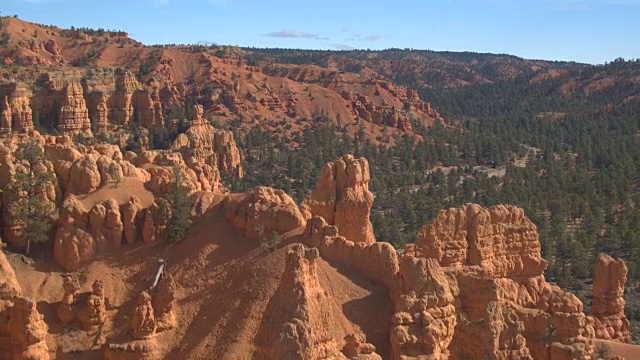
(417, 68)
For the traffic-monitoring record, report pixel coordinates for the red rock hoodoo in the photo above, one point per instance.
(300, 314)
(343, 199)
(607, 308)
(74, 116)
(262, 211)
(28, 330)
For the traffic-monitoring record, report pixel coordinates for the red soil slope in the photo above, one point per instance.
(225, 283)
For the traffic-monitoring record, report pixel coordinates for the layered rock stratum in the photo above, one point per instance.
(78, 81)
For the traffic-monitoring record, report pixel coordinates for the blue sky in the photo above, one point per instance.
(592, 31)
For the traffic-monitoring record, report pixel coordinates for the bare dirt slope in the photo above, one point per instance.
(121, 193)
(626, 351)
(225, 283)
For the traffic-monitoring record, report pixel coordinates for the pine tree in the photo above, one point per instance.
(180, 207)
(27, 193)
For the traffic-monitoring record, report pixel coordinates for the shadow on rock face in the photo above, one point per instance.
(373, 314)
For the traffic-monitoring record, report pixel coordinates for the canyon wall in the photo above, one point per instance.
(79, 101)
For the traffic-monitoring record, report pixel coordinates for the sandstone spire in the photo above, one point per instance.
(610, 276)
(28, 330)
(5, 117)
(343, 199)
(74, 116)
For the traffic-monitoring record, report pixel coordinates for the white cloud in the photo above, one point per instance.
(294, 34)
(372, 37)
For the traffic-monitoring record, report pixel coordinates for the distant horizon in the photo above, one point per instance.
(207, 43)
(579, 31)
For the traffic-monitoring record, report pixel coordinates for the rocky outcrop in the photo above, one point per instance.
(148, 109)
(208, 145)
(71, 99)
(18, 104)
(66, 308)
(164, 297)
(147, 349)
(131, 215)
(343, 199)
(194, 175)
(300, 313)
(122, 98)
(382, 115)
(262, 211)
(83, 234)
(156, 220)
(207, 175)
(228, 156)
(106, 224)
(143, 321)
(377, 261)
(74, 116)
(98, 108)
(494, 256)
(52, 47)
(197, 176)
(95, 312)
(357, 348)
(28, 331)
(82, 170)
(501, 240)
(9, 286)
(150, 315)
(425, 315)
(9, 289)
(610, 277)
(112, 97)
(5, 117)
(472, 286)
(74, 244)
